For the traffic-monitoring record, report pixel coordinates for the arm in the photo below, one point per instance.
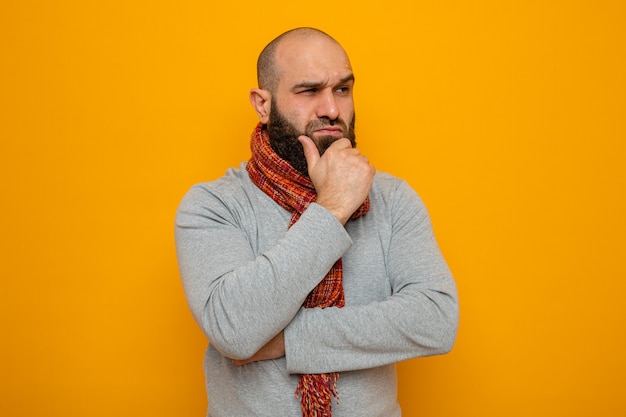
(244, 301)
(342, 178)
(419, 318)
(240, 299)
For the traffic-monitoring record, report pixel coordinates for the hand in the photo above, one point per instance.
(342, 176)
(273, 349)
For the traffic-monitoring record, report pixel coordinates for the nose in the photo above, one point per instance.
(327, 105)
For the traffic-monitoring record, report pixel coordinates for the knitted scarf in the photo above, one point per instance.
(294, 192)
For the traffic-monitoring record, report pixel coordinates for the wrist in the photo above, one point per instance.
(339, 213)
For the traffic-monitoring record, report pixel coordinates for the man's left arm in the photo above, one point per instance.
(420, 318)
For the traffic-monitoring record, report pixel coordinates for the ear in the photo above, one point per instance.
(261, 101)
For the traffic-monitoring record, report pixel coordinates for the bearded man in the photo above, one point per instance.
(310, 273)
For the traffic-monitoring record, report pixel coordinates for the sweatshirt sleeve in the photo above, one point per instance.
(419, 318)
(239, 298)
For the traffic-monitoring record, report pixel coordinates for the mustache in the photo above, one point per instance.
(323, 122)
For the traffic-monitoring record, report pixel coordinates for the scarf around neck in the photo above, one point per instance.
(295, 192)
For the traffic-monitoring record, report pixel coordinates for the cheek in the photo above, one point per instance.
(298, 116)
(346, 110)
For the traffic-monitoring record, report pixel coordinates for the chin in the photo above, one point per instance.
(323, 142)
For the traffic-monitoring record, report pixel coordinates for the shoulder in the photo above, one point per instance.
(233, 181)
(386, 181)
(390, 190)
(220, 196)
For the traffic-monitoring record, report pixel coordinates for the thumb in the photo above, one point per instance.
(311, 153)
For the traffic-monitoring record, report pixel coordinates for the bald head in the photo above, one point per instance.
(268, 70)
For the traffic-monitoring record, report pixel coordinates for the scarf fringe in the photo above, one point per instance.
(316, 392)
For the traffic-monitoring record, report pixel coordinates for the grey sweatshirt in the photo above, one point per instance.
(246, 275)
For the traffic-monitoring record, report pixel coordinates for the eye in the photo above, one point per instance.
(308, 91)
(343, 90)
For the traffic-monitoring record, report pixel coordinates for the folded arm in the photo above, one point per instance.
(240, 299)
(418, 318)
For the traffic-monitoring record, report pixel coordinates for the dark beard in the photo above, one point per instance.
(284, 137)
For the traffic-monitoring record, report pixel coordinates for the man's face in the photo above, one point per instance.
(313, 97)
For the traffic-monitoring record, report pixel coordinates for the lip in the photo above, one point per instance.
(329, 131)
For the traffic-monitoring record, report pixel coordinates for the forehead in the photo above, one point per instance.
(314, 59)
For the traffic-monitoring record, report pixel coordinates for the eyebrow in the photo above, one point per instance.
(317, 84)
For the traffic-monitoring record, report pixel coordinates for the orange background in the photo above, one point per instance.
(507, 117)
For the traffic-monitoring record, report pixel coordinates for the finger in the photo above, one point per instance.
(311, 153)
(343, 143)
